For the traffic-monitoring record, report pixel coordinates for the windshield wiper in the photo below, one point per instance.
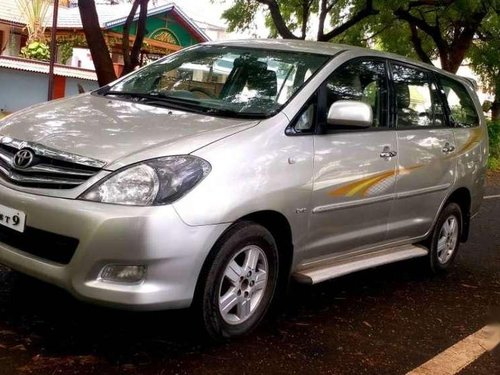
(160, 99)
(233, 113)
(175, 102)
(126, 93)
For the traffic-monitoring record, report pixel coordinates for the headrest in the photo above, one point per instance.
(402, 95)
(264, 81)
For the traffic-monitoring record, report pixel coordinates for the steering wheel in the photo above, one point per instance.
(202, 91)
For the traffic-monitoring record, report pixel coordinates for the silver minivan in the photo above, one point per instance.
(212, 177)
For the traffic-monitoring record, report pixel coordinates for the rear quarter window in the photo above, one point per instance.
(462, 109)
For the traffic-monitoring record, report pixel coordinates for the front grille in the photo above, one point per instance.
(48, 169)
(42, 244)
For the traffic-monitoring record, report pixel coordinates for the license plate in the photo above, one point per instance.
(12, 218)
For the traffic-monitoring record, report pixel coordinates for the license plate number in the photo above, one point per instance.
(12, 218)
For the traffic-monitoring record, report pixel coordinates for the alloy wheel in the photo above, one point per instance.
(447, 239)
(243, 284)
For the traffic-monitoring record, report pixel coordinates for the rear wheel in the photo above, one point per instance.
(240, 281)
(445, 238)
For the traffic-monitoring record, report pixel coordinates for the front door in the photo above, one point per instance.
(354, 171)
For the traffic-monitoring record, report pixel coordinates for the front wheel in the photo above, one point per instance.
(239, 281)
(445, 238)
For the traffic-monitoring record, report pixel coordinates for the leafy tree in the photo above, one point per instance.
(424, 29)
(34, 13)
(293, 19)
(450, 26)
(485, 59)
(448, 30)
(97, 45)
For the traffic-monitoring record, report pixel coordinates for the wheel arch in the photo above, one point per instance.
(278, 225)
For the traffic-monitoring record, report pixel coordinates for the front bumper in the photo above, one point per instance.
(156, 237)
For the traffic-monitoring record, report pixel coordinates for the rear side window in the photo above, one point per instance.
(462, 110)
(417, 100)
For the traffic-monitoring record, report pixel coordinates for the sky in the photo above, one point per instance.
(205, 10)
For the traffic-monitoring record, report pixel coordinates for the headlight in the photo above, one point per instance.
(153, 182)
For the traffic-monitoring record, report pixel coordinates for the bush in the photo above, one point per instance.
(36, 51)
(494, 134)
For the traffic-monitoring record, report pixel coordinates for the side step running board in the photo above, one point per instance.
(331, 269)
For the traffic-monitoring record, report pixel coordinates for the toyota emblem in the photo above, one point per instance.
(23, 158)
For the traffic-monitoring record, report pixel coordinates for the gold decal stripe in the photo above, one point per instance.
(353, 187)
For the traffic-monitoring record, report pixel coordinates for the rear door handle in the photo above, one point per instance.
(448, 148)
(387, 153)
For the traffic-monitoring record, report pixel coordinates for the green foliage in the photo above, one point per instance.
(66, 49)
(36, 51)
(241, 15)
(484, 55)
(34, 13)
(494, 135)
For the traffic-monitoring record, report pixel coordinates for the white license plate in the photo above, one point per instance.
(12, 218)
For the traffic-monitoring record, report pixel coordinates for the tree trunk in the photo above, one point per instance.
(139, 36)
(495, 108)
(127, 63)
(95, 40)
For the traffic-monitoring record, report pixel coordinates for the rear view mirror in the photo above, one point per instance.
(350, 114)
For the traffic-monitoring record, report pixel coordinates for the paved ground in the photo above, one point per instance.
(383, 321)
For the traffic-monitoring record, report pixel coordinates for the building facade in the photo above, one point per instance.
(168, 29)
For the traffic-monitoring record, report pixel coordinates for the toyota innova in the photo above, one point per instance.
(212, 176)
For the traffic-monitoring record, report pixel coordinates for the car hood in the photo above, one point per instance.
(115, 131)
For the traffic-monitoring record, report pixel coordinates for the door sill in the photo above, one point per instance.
(330, 269)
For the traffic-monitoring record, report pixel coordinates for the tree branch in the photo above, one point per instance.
(418, 3)
(367, 11)
(278, 20)
(139, 33)
(322, 16)
(96, 42)
(306, 4)
(417, 44)
(433, 31)
(126, 37)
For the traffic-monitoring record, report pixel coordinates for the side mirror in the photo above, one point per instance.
(350, 114)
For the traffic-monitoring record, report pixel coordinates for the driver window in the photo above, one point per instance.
(361, 80)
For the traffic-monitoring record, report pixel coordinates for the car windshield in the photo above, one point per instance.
(224, 80)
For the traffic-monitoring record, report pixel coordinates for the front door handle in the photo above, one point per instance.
(448, 148)
(387, 153)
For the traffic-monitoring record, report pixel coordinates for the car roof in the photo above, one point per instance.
(329, 49)
(323, 48)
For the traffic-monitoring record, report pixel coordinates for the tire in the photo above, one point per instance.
(238, 282)
(445, 239)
